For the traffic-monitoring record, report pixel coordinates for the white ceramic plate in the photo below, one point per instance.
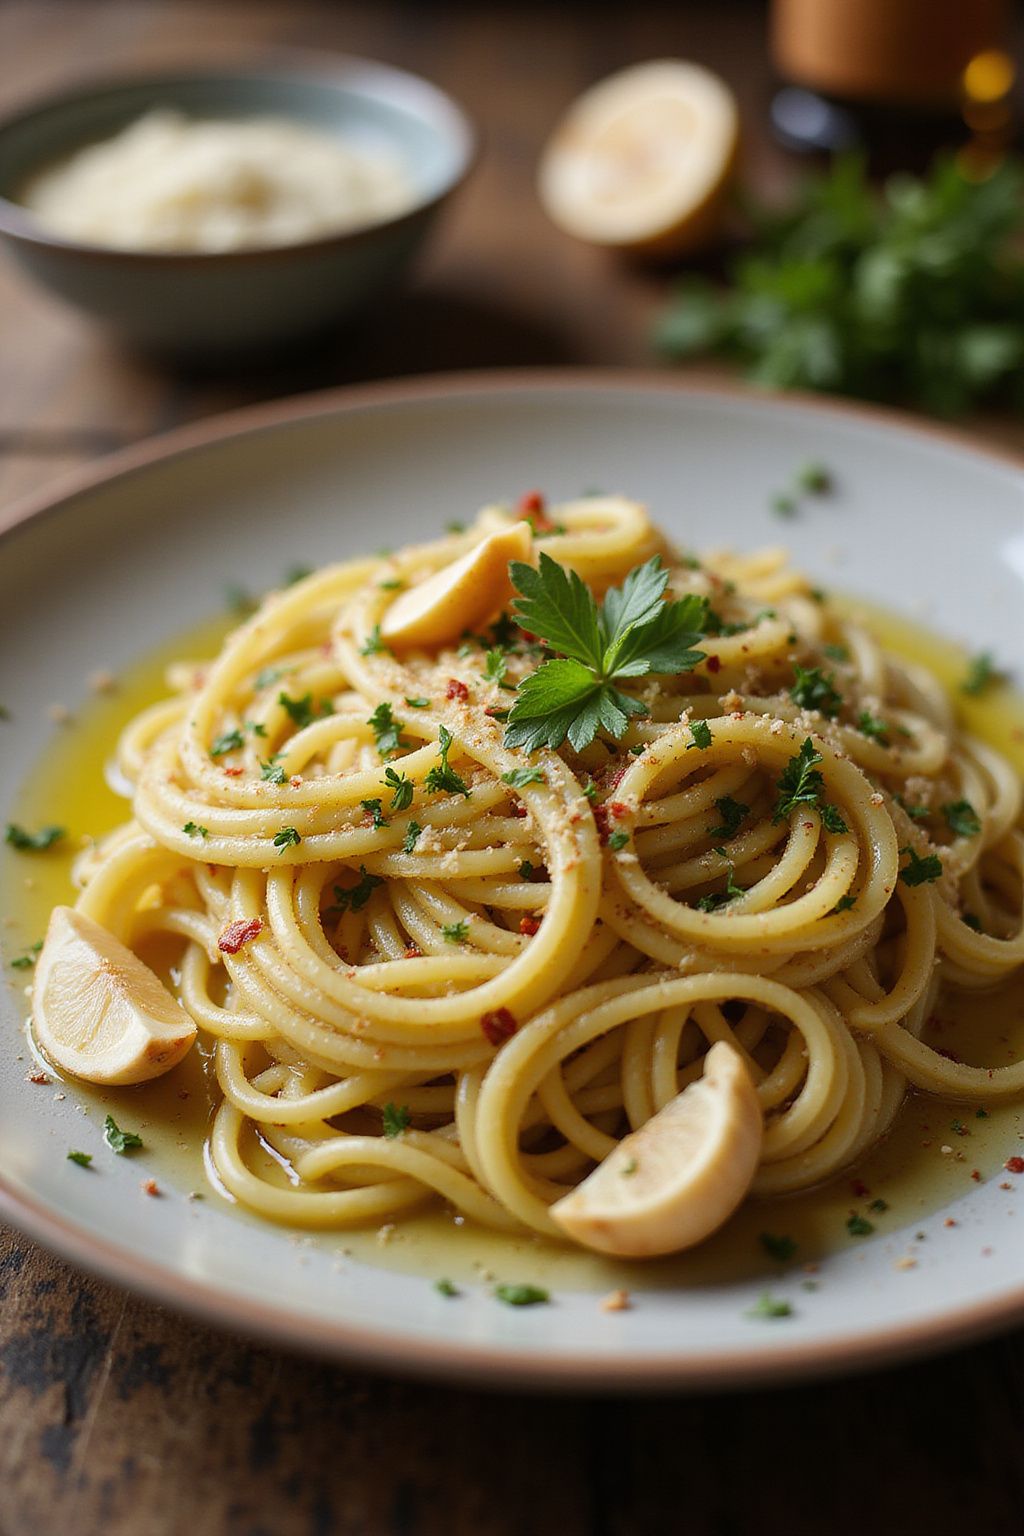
(138, 550)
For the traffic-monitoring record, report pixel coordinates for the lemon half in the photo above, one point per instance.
(98, 1012)
(673, 1182)
(642, 160)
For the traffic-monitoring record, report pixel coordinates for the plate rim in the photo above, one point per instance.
(467, 1361)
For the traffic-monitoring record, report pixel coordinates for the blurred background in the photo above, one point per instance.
(500, 284)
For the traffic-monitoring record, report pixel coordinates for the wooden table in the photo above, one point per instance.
(119, 1418)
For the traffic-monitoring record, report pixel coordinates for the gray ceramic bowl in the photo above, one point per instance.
(206, 306)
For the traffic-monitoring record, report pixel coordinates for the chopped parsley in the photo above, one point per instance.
(589, 791)
(288, 837)
(373, 644)
(412, 833)
(446, 1287)
(632, 632)
(518, 778)
(496, 667)
(618, 840)
(832, 819)
(83, 1159)
(525, 870)
(799, 783)
(117, 1140)
(396, 1119)
(229, 742)
(981, 673)
(266, 677)
(272, 771)
(301, 711)
(732, 813)
(815, 689)
(870, 725)
(814, 479)
(27, 959)
(768, 1307)
(353, 898)
(456, 933)
(781, 1249)
(712, 902)
(296, 573)
(915, 812)
(403, 789)
(700, 736)
(395, 585)
(521, 1295)
(836, 652)
(920, 871)
(859, 1226)
(962, 818)
(376, 810)
(783, 504)
(879, 1205)
(32, 842)
(193, 829)
(418, 703)
(844, 904)
(455, 526)
(443, 779)
(387, 730)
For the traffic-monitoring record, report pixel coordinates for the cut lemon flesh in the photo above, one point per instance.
(674, 1181)
(460, 596)
(642, 160)
(98, 1012)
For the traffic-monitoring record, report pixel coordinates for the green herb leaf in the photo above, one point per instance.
(962, 818)
(396, 1120)
(193, 829)
(920, 871)
(403, 789)
(768, 1308)
(618, 840)
(373, 645)
(781, 1249)
(376, 810)
(844, 904)
(443, 779)
(117, 1140)
(859, 1226)
(229, 742)
(301, 711)
(981, 674)
(700, 734)
(799, 783)
(832, 819)
(870, 725)
(272, 771)
(387, 730)
(521, 1295)
(288, 837)
(456, 933)
(518, 778)
(418, 703)
(353, 898)
(412, 833)
(32, 842)
(814, 689)
(83, 1159)
(446, 1287)
(732, 813)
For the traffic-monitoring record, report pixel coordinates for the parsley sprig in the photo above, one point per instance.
(632, 632)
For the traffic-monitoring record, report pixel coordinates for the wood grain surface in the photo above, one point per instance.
(119, 1418)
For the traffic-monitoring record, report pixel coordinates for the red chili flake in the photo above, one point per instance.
(1014, 1165)
(234, 773)
(519, 810)
(529, 636)
(498, 1026)
(38, 1076)
(150, 1187)
(860, 1189)
(714, 664)
(531, 503)
(618, 808)
(949, 1222)
(456, 690)
(976, 1175)
(529, 925)
(413, 952)
(238, 933)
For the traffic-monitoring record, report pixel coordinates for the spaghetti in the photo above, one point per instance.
(435, 965)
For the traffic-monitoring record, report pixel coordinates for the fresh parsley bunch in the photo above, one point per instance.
(632, 632)
(915, 294)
